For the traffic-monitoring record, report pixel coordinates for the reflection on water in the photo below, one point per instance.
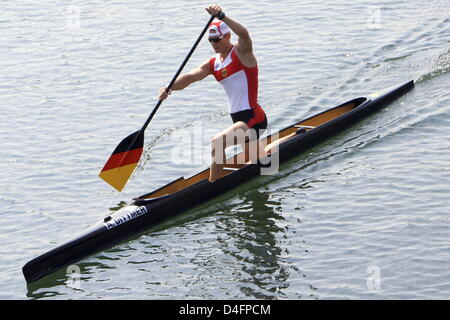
(250, 234)
(257, 247)
(65, 281)
(43, 287)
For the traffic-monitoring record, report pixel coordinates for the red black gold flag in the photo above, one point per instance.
(123, 161)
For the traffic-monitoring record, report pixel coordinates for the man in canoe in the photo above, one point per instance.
(235, 67)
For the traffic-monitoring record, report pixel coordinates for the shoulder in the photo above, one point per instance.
(246, 57)
(210, 63)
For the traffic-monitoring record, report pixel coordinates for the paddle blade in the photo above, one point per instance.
(123, 161)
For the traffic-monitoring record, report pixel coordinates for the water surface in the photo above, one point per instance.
(362, 216)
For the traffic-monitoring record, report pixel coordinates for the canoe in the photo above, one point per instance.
(183, 194)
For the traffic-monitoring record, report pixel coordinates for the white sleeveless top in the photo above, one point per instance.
(240, 83)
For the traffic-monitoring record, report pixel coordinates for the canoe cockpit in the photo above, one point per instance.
(235, 163)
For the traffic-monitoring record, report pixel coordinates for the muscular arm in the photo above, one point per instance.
(244, 41)
(188, 78)
(197, 74)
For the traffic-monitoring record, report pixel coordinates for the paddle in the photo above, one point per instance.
(125, 157)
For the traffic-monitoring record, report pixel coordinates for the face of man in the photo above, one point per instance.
(220, 44)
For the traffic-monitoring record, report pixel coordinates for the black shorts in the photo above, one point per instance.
(254, 118)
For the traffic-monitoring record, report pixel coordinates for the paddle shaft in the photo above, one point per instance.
(131, 146)
(178, 73)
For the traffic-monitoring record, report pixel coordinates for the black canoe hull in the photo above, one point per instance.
(143, 214)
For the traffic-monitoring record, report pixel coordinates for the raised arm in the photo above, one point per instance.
(244, 44)
(188, 78)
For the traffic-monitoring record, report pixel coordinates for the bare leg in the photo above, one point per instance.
(253, 151)
(217, 157)
(275, 143)
(226, 139)
(218, 146)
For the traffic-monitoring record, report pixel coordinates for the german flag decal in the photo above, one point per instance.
(123, 161)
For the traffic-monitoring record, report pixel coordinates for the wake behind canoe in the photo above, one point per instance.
(183, 194)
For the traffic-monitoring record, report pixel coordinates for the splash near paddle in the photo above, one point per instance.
(123, 161)
(125, 157)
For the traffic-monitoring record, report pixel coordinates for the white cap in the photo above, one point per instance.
(218, 28)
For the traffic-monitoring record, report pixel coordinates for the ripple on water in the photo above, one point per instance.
(373, 196)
